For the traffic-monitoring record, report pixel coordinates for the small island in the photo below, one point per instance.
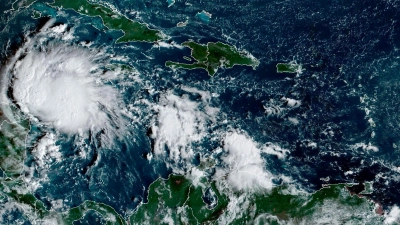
(291, 67)
(182, 24)
(213, 56)
(133, 31)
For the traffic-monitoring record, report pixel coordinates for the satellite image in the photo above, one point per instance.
(123, 112)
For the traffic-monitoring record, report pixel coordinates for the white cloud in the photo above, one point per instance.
(281, 107)
(60, 87)
(47, 151)
(162, 44)
(292, 102)
(179, 124)
(196, 176)
(394, 216)
(246, 168)
(60, 28)
(63, 86)
(205, 95)
(365, 147)
(234, 209)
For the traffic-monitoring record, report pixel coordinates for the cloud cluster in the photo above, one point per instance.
(61, 86)
(179, 124)
(246, 168)
(393, 217)
(64, 87)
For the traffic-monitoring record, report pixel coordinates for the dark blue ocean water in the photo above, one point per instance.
(348, 50)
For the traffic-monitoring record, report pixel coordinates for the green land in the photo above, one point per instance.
(133, 31)
(333, 201)
(107, 212)
(213, 56)
(12, 149)
(177, 200)
(11, 190)
(368, 188)
(36, 14)
(291, 67)
(12, 155)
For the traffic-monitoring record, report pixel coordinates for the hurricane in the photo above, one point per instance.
(63, 87)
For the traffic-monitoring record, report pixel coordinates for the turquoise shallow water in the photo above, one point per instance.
(204, 16)
(170, 2)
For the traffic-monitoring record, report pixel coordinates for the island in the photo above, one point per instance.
(133, 31)
(291, 67)
(213, 56)
(182, 24)
(121, 68)
(36, 14)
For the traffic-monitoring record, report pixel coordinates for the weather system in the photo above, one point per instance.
(123, 112)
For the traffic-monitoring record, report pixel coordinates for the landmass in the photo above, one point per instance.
(291, 67)
(12, 139)
(133, 31)
(368, 188)
(11, 189)
(107, 212)
(122, 69)
(36, 14)
(179, 201)
(213, 56)
(182, 24)
(12, 154)
(335, 200)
